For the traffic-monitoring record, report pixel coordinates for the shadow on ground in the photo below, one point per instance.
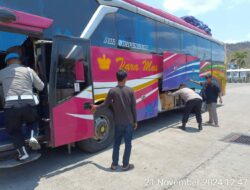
(56, 161)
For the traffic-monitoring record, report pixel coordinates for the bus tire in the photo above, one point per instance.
(103, 118)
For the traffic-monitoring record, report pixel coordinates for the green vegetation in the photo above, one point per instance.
(239, 53)
(240, 58)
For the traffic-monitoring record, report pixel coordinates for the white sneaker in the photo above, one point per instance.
(34, 144)
(24, 157)
(22, 154)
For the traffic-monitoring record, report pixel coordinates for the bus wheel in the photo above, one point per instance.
(104, 132)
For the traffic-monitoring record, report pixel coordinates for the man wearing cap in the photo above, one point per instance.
(211, 94)
(193, 102)
(18, 82)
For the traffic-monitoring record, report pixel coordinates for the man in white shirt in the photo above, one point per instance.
(18, 82)
(193, 102)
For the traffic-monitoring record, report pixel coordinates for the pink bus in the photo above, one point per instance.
(78, 48)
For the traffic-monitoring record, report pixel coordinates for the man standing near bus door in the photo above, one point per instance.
(19, 100)
(193, 101)
(122, 99)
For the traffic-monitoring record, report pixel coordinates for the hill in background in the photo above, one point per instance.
(241, 46)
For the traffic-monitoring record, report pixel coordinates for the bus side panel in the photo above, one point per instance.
(174, 70)
(180, 68)
(218, 73)
(144, 70)
(196, 70)
(147, 101)
(71, 122)
(219, 66)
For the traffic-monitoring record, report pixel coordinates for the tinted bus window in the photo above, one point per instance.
(189, 44)
(168, 38)
(218, 52)
(135, 32)
(218, 66)
(125, 29)
(145, 32)
(70, 17)
(204, 49)
(105, 34)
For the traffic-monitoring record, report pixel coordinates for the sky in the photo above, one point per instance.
(228, 19)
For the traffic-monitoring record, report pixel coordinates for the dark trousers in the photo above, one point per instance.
(15, 117)
(192, 105)
(126, 132)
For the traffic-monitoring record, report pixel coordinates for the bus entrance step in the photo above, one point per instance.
(10, 163)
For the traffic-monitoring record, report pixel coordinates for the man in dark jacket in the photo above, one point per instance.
(212, 93)
(122, 100)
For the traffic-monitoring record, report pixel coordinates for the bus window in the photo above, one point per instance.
(204, 49)
(105, 34)
(218, 56)
(125, 29)
(168, 38)
(189, 44)
(218, 53)
(135, 32)
(145, 32)
(72, 71)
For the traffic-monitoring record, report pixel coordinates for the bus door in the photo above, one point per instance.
(70, 91)
(15, 29)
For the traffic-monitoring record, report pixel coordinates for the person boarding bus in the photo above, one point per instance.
(18, 82)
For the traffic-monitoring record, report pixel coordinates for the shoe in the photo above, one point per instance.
(216, 125)
(128, 167)
(200, 126)
(34, 144)
(209, 122)
(113, 167)
(183, 127)
(22, 154)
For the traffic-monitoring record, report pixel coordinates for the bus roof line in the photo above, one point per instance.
(138, 10)
(96, 20)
